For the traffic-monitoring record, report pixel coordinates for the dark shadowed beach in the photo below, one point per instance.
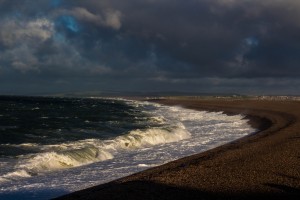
(265, 164)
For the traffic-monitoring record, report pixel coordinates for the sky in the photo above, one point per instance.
(197, 46)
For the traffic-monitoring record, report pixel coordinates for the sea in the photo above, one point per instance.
(51, 146)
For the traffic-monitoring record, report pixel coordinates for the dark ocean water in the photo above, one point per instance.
(52, 146)
(47, 120)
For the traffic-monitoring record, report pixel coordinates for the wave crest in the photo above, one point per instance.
(150, 137)
(93, 150)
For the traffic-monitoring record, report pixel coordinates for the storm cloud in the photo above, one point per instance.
(230, 46)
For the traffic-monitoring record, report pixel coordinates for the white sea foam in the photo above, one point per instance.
(25, 145)
(160, 119)
(182, 132)
(88, 151)
(15, 175)
(54, 161)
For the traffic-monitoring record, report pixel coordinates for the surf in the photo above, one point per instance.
(84, 152)
(153, 134)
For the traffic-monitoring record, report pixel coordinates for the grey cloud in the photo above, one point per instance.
(13, 32)
(219, 43)
(21, 58)
(20, 40)
(109, 18)
(210, 35)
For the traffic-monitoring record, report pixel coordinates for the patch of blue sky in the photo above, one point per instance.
(252, 41)
(69, 23)
(55, 3)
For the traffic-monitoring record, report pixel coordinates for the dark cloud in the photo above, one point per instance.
(193, 45)
(212, 35)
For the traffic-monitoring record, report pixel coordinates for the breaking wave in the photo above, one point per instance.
(75, 154)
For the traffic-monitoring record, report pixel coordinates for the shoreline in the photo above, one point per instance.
(263, 164)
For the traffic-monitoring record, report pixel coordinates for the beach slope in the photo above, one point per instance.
(262, 165)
